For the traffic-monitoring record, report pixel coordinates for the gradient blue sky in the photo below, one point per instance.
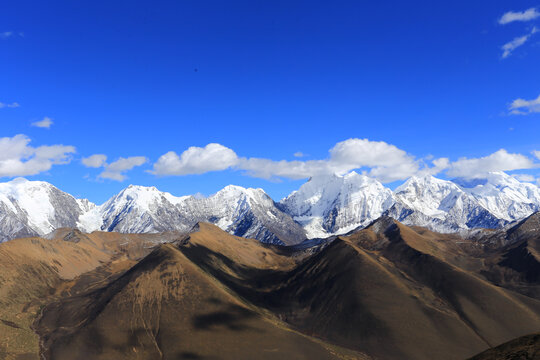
(272, 78)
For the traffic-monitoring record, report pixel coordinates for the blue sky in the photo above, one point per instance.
(390, 87)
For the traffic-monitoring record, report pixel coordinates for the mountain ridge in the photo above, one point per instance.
(322, 207)
(384, 292)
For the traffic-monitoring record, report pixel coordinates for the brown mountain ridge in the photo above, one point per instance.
(385, 292)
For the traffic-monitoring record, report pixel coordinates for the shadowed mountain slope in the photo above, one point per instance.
(35, 271)
(165, 307)
(511, 258)
(385, 292)
(523, 348)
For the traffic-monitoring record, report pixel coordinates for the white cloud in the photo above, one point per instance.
(377, 159)
(116, 170)
(45, 123)
(381, 160)
(537, 154)
(196, 160)
(11, 105)
(524, 107)
(18, 158)
(299, 154)
(95, 161)
(511, 16)
(509, 47)
(384, 161)
(387, 162)
(438, 165)
(500, 160)
(268, 169)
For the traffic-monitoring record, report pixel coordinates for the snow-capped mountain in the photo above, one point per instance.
(245, 212)
(324, 206)
(30, 208)
(140, 209)
(336, 204)
(239, 211)
(503, 196)
(440, 205)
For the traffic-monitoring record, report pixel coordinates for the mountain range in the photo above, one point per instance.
(385, 292)
(322, 207)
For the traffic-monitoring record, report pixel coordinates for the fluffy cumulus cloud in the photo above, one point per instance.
(500, 160)
(387, 162)
(510, 46)
(379, 159)
(524, 107)
(18, 158)
(196, 160)
(45, 123)
(115, 170)
(527, 15)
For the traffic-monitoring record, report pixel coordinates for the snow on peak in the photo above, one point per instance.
(323, 206)
(138, 198)
(37, 207)
(504, 196)
(335, 204)
(429, 195)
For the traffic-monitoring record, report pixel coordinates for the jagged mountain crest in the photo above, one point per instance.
(240, 211)
(322, 207)
(441, 205)
(29, 208)
(325, 207)
(336, 204)
(504, 196)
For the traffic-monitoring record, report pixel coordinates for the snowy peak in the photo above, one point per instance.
(440, 205)
(240, 211)
(323, 206)
(245, 212)
(139, 209)
(142, 197)
(238, 192)
(336, 204)
(432, 196)
(36, 208)
(503, 195)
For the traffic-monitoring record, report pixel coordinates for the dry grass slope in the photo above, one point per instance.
(385, 292)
